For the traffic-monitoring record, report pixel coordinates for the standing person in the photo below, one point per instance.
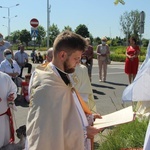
(132, 60)
(3, 45)
(22, 59)
(84, 61)
(103, 53)
(89, 54)
(7, 95)
(9, 66)
(67, 122)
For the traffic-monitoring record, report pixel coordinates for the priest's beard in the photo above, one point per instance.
(67, 68)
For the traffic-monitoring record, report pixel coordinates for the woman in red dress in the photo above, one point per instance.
(132, 61)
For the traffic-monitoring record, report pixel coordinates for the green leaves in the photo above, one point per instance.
(128, 135)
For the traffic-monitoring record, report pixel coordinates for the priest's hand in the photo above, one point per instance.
(92, 131)
(97, 116)
(10, 97)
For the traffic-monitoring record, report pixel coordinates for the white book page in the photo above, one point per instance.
(122, 116)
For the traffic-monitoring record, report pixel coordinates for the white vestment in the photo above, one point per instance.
(53, 123)
(139, 91)
(80, 80)
(7, 86)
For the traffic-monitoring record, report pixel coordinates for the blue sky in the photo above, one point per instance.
(101, 17)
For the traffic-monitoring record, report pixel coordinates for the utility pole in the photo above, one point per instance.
(8, 8)
(48, 22)
(142, 21)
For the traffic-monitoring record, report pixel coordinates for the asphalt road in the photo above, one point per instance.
(108, 94)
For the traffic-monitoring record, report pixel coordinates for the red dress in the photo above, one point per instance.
(131, 66)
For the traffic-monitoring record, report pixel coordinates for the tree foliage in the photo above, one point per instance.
(82, 30)
(67, 28)
(127, 20)
(130, 22)
(54, 31)
(15, 36)
(41, 35)
(25, 36)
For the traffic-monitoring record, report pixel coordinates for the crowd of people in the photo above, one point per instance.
(67, 68)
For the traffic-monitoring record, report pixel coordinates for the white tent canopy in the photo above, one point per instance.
(139, 90)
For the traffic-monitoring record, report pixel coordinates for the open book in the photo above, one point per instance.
(122, 116)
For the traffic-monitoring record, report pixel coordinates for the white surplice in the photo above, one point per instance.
(139, 91)
(7, 87)
(72, 113)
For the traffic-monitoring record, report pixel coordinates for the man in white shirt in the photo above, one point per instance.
(9, 66)
(22, 59)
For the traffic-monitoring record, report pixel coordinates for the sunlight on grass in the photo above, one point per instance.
(130, 135)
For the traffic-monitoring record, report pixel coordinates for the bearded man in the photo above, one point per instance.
(58, 118)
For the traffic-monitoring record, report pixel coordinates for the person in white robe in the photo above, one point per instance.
(80, 80)
(58, 118)
(8, 91)
(138, 92)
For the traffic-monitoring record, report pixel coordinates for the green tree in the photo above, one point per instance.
(25, 37)
(97, 41)
(41, 35)
(15, 36)
(82, 30)
(130, 22)
(67, 28)
(54, 31)
(145, 42)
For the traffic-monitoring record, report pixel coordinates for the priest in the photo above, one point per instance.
(58, 117)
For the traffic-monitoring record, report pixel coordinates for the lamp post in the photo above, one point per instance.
(9, 16)
(9, 22)
(48, 22)
(5, 26)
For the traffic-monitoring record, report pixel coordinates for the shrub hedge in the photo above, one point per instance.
(117, 53)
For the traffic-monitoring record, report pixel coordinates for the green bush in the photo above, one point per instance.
(130, 135)
(117, 53)
(118, 57)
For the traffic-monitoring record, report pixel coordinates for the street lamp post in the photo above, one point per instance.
(9, 16)
(48, 22)
(5, 26)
